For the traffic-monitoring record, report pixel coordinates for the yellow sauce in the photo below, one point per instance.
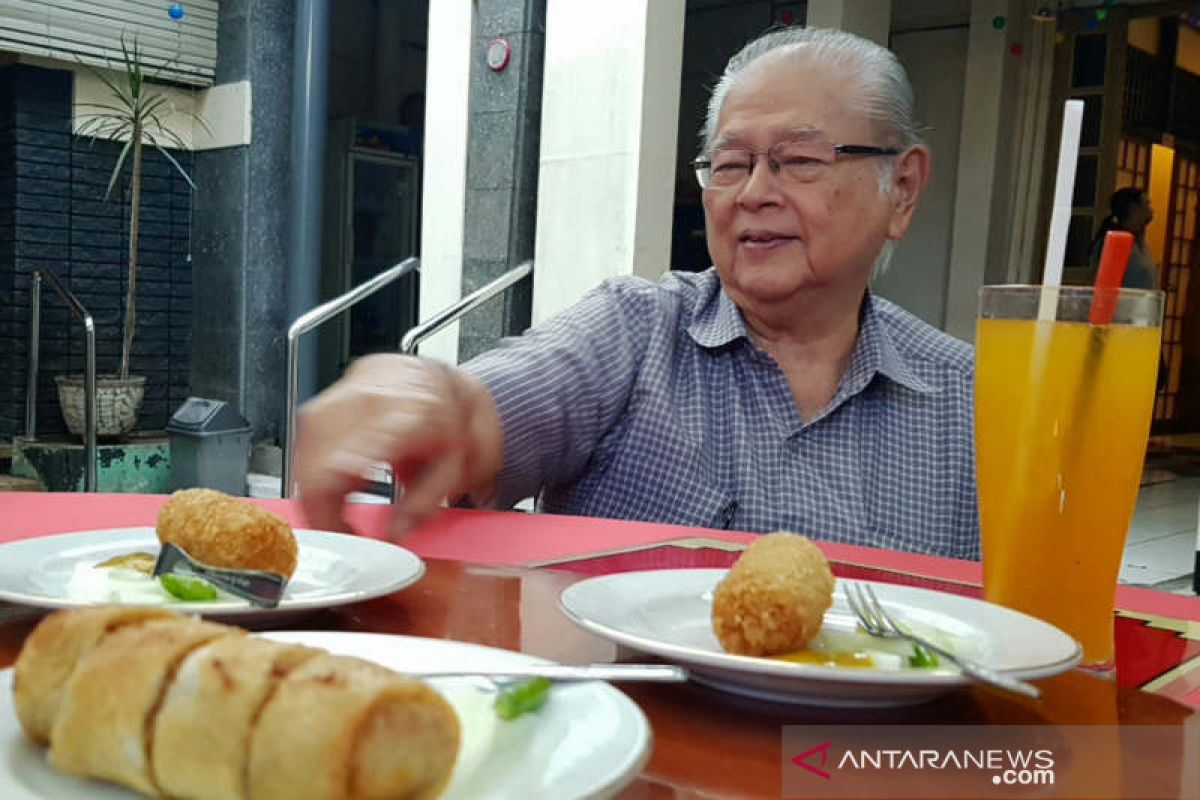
(846, 658)
(141, 562)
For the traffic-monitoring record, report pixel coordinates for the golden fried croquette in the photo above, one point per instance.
(774, 597)
(225, 531)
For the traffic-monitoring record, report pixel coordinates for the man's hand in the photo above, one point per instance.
(436, 425)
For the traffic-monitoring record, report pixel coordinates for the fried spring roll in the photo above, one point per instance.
(340, 728)
(51, 652)
(202, 731)
(105, 722)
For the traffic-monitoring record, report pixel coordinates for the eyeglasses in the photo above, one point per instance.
(795, 161)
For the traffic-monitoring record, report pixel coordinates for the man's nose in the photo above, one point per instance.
(762, 184)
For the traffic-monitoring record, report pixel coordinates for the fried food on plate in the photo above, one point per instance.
(102, 726)
(173, 706)
(339, 727)
(202, 731)
(225, 531)
(50, 653)
(774, 597)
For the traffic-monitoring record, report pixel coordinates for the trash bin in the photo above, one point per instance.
(210, 446)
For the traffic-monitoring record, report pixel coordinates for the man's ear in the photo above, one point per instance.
(910, 174)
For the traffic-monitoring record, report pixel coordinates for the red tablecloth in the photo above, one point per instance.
(1158, 634)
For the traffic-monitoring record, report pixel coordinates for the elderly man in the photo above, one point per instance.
(771, 392)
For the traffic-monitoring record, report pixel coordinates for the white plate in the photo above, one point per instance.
(589, 740)
(668, 613)
(332, 569)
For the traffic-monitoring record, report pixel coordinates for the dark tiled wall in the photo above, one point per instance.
(53, 215)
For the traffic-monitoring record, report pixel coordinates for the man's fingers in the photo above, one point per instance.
(424, 492)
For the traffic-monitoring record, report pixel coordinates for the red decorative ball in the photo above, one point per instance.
(787, 17)
(1017, 49)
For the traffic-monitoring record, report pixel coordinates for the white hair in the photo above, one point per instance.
(884, 94)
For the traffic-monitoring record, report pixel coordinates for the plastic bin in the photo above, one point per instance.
(210, 446)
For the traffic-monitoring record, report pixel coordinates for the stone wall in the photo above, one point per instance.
(53, 215)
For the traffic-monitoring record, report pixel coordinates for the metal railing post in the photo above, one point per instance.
(305, 323)
(89, 368)
(35, 345)
(452, 313)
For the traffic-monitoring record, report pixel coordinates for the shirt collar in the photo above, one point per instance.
(875, 352)
(720, 322)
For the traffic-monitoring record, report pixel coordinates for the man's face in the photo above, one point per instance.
(771, 238)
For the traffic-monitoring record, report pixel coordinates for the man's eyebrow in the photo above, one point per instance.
(804, 132)
(794, 132)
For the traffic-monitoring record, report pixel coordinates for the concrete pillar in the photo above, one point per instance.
(609, 130)
(241, 224)
(447, 119)
(870, 19)
(502, 164)
(979, 148)
(610, 112)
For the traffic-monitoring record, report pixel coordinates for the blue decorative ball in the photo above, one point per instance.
(175, 11)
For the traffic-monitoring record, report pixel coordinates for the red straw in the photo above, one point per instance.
(1114, 258)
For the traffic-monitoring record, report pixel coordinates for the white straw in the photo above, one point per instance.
(1060, 218)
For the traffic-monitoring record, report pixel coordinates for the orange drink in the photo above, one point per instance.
(1062, 413)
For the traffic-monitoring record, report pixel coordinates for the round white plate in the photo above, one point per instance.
(332, 569)
(668, 613)
(589, 740)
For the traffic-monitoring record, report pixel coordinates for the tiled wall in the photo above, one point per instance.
(53, 215)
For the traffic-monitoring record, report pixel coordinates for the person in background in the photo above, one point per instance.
(1129, 210)
(771, 391)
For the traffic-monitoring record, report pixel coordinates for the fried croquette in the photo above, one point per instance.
(774, 597)
(225, 531)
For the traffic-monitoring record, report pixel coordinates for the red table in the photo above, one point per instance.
(1158, 634)
(493, 578)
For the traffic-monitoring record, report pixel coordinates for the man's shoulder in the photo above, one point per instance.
(675, 293)
(682, 285)
(920, 343)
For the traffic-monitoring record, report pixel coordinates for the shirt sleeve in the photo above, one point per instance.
(560, 387)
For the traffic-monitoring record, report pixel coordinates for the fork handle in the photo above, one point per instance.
(568, 673)
(978, 671)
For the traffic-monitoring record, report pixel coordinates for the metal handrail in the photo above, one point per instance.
(450, 314)
(89, 368)
(305, 323)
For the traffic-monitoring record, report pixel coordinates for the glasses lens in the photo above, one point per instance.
(803, 161)
(730, 167)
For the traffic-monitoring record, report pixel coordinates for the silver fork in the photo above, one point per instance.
(878, 622)
(566, 673)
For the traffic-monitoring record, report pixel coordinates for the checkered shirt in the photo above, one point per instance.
(650, 401)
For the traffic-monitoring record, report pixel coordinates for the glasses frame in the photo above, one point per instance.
(703, 165)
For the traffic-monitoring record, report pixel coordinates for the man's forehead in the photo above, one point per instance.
(788, 95)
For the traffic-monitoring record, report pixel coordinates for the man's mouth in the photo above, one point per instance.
(763, 238)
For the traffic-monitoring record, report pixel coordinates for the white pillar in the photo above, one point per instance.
(610, 112)
(978, 145)
(870, 19)
(443, 203)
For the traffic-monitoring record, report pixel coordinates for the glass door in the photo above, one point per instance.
(382, 220)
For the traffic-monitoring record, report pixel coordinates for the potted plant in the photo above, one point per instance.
(135, 113)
